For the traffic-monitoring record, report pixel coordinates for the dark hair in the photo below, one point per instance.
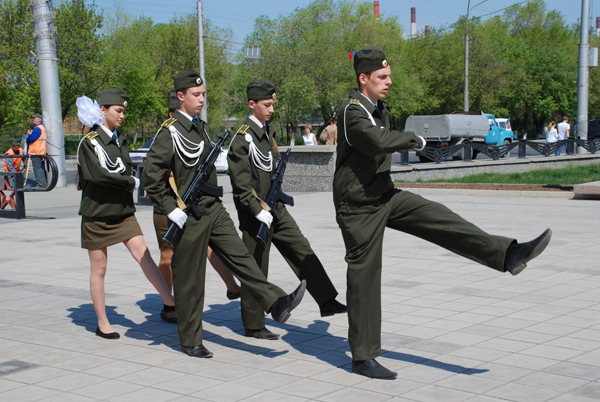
(15, 144)
(358, 81)
(333, 119)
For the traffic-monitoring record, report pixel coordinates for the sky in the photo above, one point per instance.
(239, 15)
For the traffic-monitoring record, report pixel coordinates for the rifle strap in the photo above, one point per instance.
(180, 202)
(261, 202)
(275, 148)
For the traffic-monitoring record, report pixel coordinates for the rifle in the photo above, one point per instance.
(275, 194)
(198, 187)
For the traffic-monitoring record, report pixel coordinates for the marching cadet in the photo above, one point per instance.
(366, 202)
(161, 225)
(107, 210)
(251, 169)
(179, 147)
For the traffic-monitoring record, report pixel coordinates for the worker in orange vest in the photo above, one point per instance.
(37, 146)
(13, 164)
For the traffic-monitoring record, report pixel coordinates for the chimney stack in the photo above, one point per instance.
(376, 9)
(597, 26)
(413, 22)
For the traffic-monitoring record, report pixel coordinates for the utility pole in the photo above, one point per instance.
(466, 94)
(44, 33)
(203, 114)
(583, 74)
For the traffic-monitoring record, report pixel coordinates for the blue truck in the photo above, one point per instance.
(458, 127)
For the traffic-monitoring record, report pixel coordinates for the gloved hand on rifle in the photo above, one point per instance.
(178, 217)
(265, 217)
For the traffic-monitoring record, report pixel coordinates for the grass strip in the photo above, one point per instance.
(572, 174)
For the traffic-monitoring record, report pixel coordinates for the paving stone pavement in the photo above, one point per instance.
(454, 330)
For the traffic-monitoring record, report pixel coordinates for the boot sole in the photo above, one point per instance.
(294, 304)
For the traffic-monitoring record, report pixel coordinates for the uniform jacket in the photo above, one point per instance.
(365, 144)
(163, 158)
(37, 140)
(105, 195)
(16, 162)
(244, 173)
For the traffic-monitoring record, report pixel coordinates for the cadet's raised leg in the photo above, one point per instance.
(431, 221)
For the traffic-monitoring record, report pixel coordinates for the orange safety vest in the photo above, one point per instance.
(16, 161)
(38, 147)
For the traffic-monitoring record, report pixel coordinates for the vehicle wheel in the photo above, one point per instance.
(425, 159)
(506, 142)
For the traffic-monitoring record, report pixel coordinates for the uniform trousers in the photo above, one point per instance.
(215, 229)
(363, 238)
(297, 252)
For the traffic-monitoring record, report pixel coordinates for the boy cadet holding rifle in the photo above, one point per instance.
(366, 202)
(179, 148)
(252, 165)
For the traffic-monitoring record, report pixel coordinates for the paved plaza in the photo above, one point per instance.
(452, 329)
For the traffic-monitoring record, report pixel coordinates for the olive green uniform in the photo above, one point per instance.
(366, 203)
(285, 235)
(107, 207)
(214, 229)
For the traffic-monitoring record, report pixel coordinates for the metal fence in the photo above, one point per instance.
(467, 151)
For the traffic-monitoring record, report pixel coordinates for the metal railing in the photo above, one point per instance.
(14, 187)
(467, 151)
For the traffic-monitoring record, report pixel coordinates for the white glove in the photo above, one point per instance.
(137, 182)
(265, 217)
(178, 217)
(424, 143)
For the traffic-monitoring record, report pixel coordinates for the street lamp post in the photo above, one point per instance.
(466, 95)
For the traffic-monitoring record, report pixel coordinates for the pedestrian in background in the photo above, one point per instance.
(36, 145)
(564, 131)
(309, 138)
(331, 132)
(552, 135)
(13, 164)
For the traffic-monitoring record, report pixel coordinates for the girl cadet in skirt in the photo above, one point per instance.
(107, 209)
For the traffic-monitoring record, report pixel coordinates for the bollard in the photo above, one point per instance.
(404, 158)
(522, 149)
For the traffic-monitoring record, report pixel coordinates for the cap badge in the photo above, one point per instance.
(125, 103)
(385, 63)
(274, 96)
(198, 80)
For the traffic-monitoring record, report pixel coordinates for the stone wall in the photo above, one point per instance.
(309, 168)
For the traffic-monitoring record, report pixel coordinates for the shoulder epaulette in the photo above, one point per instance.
(243, 128)
(91, 135)
(169, 122)
(354, 102)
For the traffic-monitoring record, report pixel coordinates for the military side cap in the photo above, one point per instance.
(112, 96)
(37, 116)
(187, 79)
(369, 59)
(260, 89)
(173, 100)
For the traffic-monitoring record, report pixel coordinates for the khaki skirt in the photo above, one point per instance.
(101, 233)
(161, 225)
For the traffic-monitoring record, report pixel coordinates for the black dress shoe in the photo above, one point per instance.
(280, 310)
(518, 254)
(260, 334)
(112, 335)
(196, 351)
(169, 314)
(231, 295)
(332, 307)
(370, 368)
